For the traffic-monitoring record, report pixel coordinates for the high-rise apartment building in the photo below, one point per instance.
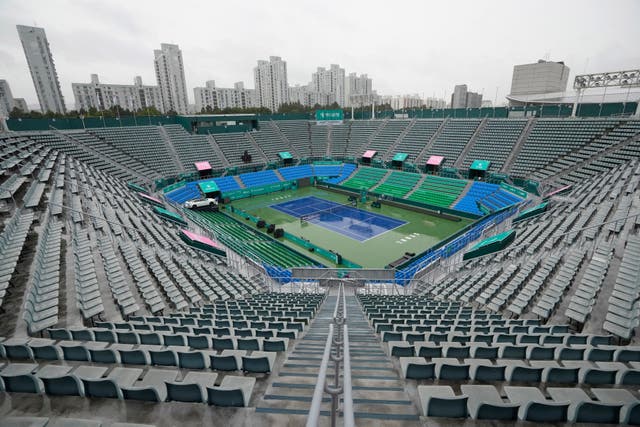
(171, 79)
(272, 88)
(103, 96)
(221, 98)
(358, 89)
(462, 98)
(7, 103)
(42, 68)
(330, 82)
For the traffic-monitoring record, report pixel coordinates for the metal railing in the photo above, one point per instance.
(338, 341)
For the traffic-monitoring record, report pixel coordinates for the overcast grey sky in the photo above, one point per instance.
(423, 47)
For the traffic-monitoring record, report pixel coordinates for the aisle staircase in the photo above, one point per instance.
(379, 395)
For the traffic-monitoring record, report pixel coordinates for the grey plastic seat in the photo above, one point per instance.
(70, 384)
(552, 372)
(450, 369)
(484, 403)
(584, 410)
(131, 356)
(105, 335)
(233, 391)
(259, 362)
(152, 387)
(82, 334)
(111, 386)
(45, 349)
(174, 340)
(484, 370)
(249, 343)
(126, 337)
(192, 360)
(164, 357)
(150, 338)
(275, 344)
(60, 334)
(519, 371)
(416, 368)
(441, 401)
(400, 349)
(24, 422)
(19, 378)
(227, 360)
(592, 374)
(630, 413)
(534, 406)
(199, 342)
(79, 352)
(223, 343)
(73, 422)
(193, 387)
(17, 349)
(106, 355)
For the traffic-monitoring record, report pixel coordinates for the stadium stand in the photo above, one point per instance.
(141, 142)
(192, 148)
(438, 191)
(417, 137)
(101, 299)
(495, 142)
(451, 141)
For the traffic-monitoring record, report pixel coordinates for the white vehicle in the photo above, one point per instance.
(201, 204)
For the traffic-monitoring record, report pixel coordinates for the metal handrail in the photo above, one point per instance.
(316, 402)
(347, 399)
(337, 339)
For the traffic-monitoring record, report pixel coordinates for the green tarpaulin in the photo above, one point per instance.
(492, 244)
(208, 187)
(529, 213)
(400, 157)
(285, 155)
(480, 165)
(171, 216)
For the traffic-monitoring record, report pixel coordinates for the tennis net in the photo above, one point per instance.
(335, 211)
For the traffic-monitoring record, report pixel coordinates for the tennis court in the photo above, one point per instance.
(344, 219)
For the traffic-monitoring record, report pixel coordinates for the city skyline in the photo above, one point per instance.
(429, 65)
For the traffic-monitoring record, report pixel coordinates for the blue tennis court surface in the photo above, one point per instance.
(346, 220)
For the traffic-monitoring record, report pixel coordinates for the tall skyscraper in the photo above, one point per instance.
(42, 68)
(330, 82)
(539, 78)
(103, 96)
(272, 87)
(171, 80)
(463, 98)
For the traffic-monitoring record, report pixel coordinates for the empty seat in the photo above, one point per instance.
(534, 406)
(111, 386)
(584, 410)
(233, 391)
(192, 388)
(259, 362)
(441, 401)
(484, 402)
(152, 387)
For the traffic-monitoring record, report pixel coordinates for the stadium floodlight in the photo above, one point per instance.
(625, 79)
(609, 79)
